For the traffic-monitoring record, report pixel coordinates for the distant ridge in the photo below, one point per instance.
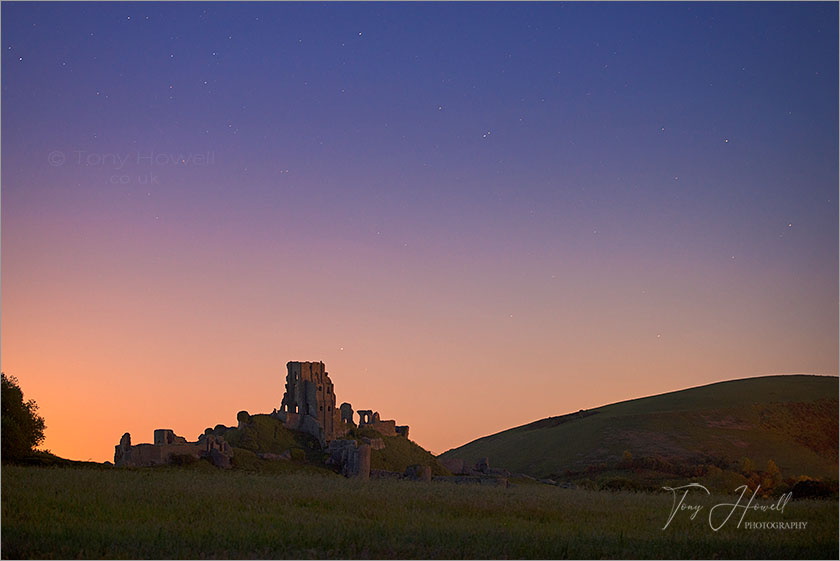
(791, 419)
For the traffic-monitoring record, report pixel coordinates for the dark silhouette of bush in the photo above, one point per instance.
(23, 428)
(810, 489)
(621, 484)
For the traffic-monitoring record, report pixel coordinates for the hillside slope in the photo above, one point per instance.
(263, 433)
(792, 420)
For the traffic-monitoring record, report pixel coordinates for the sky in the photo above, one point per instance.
(476, 215)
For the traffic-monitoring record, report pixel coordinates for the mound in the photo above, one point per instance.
(265, 434)
(399, 453)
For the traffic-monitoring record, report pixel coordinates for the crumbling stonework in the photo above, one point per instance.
(354, 458)
(347, 414)
(309, 405)
(384, 474)
(309, 401)
(481, 472)
(359, 463)
(166, 445)
(370, 419)
(375, 443)
(454, 465)
(418, 473)
(167, 436)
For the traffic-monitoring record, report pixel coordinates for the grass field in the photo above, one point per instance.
(180, 513)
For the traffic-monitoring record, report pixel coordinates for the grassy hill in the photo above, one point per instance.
(399, 453)
(264, 433)
(792, 420)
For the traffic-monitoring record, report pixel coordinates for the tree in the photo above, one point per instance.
(773, 473)
(747, 466)
(22, 427)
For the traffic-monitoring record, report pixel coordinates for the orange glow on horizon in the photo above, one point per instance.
(186, 344)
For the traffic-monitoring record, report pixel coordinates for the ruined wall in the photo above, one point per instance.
(354, 458)
(166, 444)
(347, 414)
(167, 436)
(309, 401)
(370, 419)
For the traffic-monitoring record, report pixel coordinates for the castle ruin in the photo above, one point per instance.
(167, 444)
(309, 402)
(308, 405)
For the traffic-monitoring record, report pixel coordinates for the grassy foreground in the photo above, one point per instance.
(179, 513)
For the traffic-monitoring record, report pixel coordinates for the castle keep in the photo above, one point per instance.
(309, 402)
(309, 406)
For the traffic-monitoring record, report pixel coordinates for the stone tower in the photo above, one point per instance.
(309, 401)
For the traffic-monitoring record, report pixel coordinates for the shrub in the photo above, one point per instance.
(724, 481)
(773, 473)
(22, 427)
(587, 484)
(810, 489)
(245, 459)
(746, 467)
(620, 484)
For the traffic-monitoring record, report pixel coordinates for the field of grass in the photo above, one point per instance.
(791, 420)
(206, 513)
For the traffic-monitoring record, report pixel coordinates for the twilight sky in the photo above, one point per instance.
(477, 215)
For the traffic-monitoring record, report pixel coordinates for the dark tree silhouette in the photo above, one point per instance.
(22, 427)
